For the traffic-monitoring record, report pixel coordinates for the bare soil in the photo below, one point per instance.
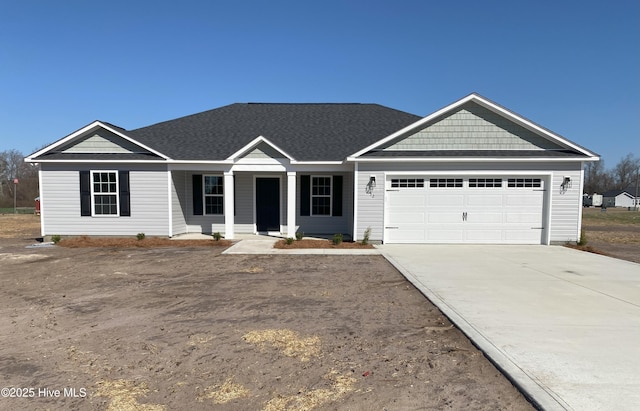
(190, 328)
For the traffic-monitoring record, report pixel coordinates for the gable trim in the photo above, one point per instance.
(476, 98)
(85, 129)
(253, 144)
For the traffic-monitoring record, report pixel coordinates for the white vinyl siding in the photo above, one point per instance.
(148, 201)
(177, 212)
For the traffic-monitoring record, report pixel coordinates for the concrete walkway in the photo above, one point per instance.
(563, 324)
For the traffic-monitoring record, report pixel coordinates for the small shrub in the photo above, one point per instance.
(140, 236)
(337, 239)
(299, 236)
(217, 236)
(56, 238)
(289, 240)
(367, 234)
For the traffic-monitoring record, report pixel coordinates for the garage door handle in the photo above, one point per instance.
(391, 228)
(464, 216)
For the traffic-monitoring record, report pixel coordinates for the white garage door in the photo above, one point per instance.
(475, 210)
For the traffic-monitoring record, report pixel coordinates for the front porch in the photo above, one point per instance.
(236, 203)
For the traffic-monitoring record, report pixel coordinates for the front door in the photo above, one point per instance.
(268, 204)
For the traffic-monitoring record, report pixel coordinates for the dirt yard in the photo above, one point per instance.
(190, 328)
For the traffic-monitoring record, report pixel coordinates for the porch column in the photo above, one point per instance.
(291, 204)
(229, 222)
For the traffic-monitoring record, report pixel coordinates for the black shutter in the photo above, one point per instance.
(305, 195)
(85, 193)
(337, 196)
(123, 182)
(197, 194)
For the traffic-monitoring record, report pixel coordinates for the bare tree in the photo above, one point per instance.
(625, 172)
(596, 178)
(12, 166)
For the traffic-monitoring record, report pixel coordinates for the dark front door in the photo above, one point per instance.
(268, 204)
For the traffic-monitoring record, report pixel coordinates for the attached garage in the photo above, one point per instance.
(465, 209)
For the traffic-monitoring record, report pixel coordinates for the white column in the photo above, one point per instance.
(354, 237)
(291, 204)
(229, 222)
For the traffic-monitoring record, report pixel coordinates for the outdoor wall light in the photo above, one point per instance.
(372, 181)
(566, 183)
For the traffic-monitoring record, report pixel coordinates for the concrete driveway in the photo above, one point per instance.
(563, 324)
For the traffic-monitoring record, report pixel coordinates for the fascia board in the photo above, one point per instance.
(85, 129)
(253, 143)
(467, 159)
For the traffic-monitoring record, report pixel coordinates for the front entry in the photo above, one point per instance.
(268, 204)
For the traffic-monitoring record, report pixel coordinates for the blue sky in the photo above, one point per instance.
(571, 66)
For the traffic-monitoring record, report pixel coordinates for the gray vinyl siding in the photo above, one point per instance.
(102, 141)
(564, 207)
(179, 221)
(61, 202)
(328, 224)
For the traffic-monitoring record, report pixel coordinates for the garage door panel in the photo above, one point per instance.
(442, 199)
(409, 216)
(483, 218)
(451, 217)
(489, 200)
(489, 211)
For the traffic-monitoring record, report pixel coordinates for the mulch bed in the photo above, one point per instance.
(151, 242)
(282, 244)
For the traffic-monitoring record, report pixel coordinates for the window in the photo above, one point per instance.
(445, 182)
(524, 182)
(321, 195)
(213, 195)
(105, 192)
(485, 182)
(407, 182)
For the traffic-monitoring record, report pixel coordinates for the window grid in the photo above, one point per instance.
(407, 182)
(105, 189)
(321, 195)
(524, 183)
(485, 182)
(213, 195)
(445, 182)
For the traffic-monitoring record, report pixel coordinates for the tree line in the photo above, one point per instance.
(598, 179)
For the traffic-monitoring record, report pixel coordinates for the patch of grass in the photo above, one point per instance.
(595, 216)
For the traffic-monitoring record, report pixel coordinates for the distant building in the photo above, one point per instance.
(627, 197)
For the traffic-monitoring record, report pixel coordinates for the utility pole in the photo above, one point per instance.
(15, 190)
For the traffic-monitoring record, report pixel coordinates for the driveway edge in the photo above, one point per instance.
(539, 397)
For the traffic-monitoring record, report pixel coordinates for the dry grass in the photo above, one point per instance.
(124, 396)
(308, 400)
(149, 242)
(287, 341)
(319, 244)
(19, 225)
(228, 391)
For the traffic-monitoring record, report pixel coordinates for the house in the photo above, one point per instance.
(621, 198)
(472, 172)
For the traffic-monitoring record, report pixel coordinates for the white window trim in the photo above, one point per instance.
(330, 177)
(205, 195)
(93, 195)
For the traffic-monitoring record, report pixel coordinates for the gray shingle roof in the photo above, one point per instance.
(307, 132)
